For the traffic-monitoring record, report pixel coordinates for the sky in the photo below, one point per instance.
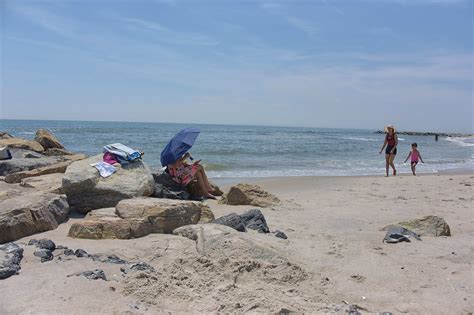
(350, 64)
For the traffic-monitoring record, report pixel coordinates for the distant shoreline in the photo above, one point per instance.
(418, 133)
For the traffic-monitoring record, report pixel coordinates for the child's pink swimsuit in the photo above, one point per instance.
(414, 156)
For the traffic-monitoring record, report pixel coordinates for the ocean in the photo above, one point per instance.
(258, 151)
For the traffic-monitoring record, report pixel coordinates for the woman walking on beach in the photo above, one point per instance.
(391, 141)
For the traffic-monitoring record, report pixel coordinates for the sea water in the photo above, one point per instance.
(258, 151)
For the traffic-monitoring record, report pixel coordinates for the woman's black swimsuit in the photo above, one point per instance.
(389, 148)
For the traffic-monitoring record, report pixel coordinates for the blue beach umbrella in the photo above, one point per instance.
(179, 145)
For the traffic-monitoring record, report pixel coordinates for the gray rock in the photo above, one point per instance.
(69, 252)
(141, 266)
(46, 244)
(232, 220)
(30, 213)
(33, 241)
(86, 190)
(280, 234)
(166, 187)
(10, 258)
(254, 220)
(93, 275)
(44, 254)
(81, 253)
(20, 161)
(110, 259)
(397, 234)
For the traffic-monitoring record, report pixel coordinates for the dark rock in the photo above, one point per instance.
(61, 247)
(232, 220)
(123, 270)
(46, 244)
(352, 310)
(141, 266)
(397, 234)
(81, 253)
(280, 234)
(93, 275)
(111, 259)
(166, 187)
(69, 252)
(33, 241)
(254, 220)
(44, 254)
(10, 257)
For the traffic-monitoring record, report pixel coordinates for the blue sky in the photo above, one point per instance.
(354, 64)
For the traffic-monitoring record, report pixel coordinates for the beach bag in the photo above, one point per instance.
(5, 154)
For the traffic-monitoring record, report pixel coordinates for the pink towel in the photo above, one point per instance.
(109, 158)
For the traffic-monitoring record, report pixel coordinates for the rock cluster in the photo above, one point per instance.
(245, 194)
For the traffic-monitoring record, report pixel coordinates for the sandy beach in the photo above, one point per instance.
(334, 256)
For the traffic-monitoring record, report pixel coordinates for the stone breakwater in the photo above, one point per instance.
(440, 134)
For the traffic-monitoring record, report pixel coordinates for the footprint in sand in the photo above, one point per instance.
(336, 250)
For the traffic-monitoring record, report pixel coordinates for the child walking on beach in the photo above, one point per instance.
(415, 156)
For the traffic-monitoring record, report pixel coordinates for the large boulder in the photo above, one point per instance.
(245, 194)
(59, 167)
(428, 226)
(140, 216)
(19, 143)
(109, 228)
(47, 140)
(49, 183)
(165, 215)
(25, 160)
(87, 190)
(29, 213)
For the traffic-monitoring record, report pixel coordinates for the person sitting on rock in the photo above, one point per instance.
(183, 173)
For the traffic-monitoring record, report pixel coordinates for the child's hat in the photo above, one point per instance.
(390, 127)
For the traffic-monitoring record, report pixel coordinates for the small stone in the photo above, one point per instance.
(69, 252)
(94, 275)
(61, 247)
(280, 234)
(44, 254)
(32, 242)
(114, 259)
(142, 266)
(46, 244)
(81, 253)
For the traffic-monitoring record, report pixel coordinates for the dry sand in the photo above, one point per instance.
(334, 253)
